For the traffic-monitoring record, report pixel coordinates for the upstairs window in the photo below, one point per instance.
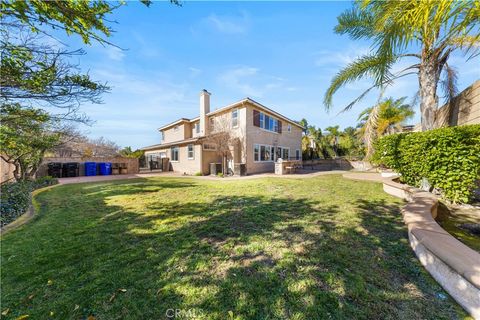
(266, 122)
(197, 128)
(162, 136)
(175, 129)
(234, 118)
(289, 128)
(212, 124)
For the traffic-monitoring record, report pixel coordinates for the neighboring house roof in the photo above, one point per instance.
(170, 144)
(233, 105)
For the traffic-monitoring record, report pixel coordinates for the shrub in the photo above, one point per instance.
(15, 197)
(448, 157)
(198, 174)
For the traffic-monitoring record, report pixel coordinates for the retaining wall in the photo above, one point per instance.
(455, 266)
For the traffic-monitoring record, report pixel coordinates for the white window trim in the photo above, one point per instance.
(260, 145)
(289, 128)
(171, 154)
(236, 118)
(206, 149)
(193, 152)
(262, 117)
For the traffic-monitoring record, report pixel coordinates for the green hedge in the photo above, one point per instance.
(15, 197)
(448, 157)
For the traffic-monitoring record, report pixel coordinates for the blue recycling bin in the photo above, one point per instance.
(105, 168)
(90, 168)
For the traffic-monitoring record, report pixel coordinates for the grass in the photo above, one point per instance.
(247, 249)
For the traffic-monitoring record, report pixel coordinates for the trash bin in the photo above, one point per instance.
(240, 169)
(115, 168)
(55, 169)
(215, 168)
(105, 168)
(70, 169)
(90, 168)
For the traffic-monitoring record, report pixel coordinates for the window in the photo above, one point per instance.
(191, 151)
(175, 129)
(285, 153)
(209, 147)
(289, 128)
(263, 153)
(162, 136)
(266, 122)
(197, 128)
(212, 124)
(297, 154)
(174, 153)
(235, 118)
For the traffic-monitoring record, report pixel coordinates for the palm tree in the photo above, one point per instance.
(332, 137)
(391, 115)
(386, 117)
(439, 27)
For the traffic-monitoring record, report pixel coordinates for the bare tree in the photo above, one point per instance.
(221, 136)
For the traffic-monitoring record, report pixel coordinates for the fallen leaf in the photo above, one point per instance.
(49, 282)
(91, 318)
(122, 290)
(230, 313)
(51, 313)
(111, 298)
(5, 312)
(76, 307)
(30, 297)
(25, 316)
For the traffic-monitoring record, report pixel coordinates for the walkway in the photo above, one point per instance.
(364, 176)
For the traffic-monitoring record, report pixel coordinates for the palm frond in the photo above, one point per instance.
(449, 82)
(367, 66)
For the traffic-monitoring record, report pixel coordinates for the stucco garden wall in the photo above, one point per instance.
(455, 266)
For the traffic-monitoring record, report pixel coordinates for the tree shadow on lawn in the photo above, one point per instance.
(258, 257)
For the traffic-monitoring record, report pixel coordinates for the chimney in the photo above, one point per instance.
(204, 109)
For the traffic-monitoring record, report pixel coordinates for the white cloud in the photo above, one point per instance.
(114, 53)
(238, 24)
(194, 72)
(343, 57)
(238, 78)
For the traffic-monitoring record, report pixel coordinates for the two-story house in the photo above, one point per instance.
(257, 137)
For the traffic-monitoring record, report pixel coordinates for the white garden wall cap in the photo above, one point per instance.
(455, 266)
(419, 218)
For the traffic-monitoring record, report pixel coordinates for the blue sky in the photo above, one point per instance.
(282, 54)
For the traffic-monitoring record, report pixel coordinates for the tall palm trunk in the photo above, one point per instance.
(428, 77)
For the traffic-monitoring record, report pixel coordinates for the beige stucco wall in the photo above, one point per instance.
(464, 109)
(256, 135)
(183, 132)
(245, 135)
(183, 165)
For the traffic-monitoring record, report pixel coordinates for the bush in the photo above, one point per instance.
(15, 197)
(448, 157)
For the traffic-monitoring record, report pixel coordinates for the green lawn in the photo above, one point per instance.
(315, 248)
